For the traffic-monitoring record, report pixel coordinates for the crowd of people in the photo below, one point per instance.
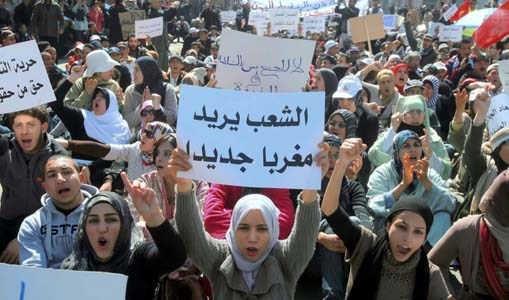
(413, 186)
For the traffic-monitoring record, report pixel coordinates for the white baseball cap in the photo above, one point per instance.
(348, 87)
(440, 66)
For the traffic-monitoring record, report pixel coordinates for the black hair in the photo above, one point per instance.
(57, 157)
(38, 112)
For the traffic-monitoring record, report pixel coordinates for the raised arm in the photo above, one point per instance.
(336, 217)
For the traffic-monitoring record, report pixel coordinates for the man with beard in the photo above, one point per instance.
(479, 65)
(22, 156)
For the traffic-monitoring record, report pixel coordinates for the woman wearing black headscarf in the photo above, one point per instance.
(148, 74)
(104, 242)
(392, 265)
(326, 81)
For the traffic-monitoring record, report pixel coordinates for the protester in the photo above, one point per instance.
(412, 114)
(408, 173)
(47, 20)
(148, 74)
(249, 267)
(47, 236)
(392, 263)
(104, 242)
(479, 242)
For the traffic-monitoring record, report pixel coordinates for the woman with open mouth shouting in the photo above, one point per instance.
(392, 265)
(104, 241)
(408, 173)
(251, 263)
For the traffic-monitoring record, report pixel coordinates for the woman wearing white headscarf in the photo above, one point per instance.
(251, 262)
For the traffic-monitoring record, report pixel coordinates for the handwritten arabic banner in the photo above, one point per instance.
(151, 27)
(283, 19)
(307, 7)
(228, 16)
(24, 82)
(498, 113)
(263, 64)
(27, 283)
(251, 139)
(313, 24)
(451, 33)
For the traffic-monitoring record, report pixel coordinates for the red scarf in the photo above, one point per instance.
(492, 261)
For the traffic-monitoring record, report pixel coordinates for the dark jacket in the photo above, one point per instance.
(115, 28)
(46, 18)
(21, 176)
(22, 14)
(346, 13)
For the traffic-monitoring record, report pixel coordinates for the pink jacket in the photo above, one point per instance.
(222, 198)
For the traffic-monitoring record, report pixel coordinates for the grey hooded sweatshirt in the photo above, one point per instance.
(47, 236)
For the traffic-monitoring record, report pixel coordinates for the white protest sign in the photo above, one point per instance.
(251, 139)
(498, 113)
(24, 82)
(283, 19)
(503, 74)
(450, 12)
(451, 33)
(28, 283)
(263, 64)
(434, 28)
(151, 27)
(313, 24)
(256, 17)
(390, 22)
(228, 16)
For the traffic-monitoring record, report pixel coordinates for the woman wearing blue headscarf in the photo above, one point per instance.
(407, 173)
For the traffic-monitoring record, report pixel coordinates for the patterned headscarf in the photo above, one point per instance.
(157, 130)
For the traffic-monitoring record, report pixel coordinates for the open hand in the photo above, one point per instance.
(11, 253)
(408, 171)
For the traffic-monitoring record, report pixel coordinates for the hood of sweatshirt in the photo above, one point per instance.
(60, 230)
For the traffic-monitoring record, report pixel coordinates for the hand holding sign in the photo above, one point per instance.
(179, 162)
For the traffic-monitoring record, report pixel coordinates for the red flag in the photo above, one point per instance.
(492, 30)
(463, 9)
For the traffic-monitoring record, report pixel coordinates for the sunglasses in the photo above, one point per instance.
(339, 124)
(149, 133)
(147, 112)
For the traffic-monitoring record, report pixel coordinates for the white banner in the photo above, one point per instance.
(498, 113)
(283, 19)
(228, 16)
(450, 12)
(28, 283)
(151, 27)
(434, 28)
(313, 24)
(503, 74)
(251, 139)
(451, 33)
(263, 64)
(24, 82)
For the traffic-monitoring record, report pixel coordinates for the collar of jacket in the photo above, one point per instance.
(269, 274)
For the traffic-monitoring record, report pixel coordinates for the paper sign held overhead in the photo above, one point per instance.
(151, 27)
(283, 19)
(313, 24)
(228, 16)
(251, 139)
(498, 113)
(367, 28)
(451, 33)
(257, 16)
(503, 73)
(450, 12)
(28, 283)
(24, 82)
(262, 64)
(128, 19)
